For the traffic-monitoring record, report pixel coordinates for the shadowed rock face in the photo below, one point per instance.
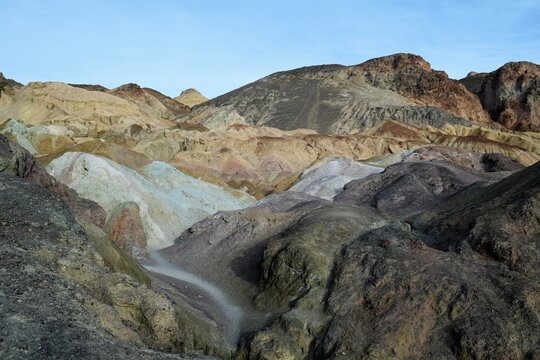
(412, 187)
(500, 221)
(344, 281)
(511, 94)
(335, 99)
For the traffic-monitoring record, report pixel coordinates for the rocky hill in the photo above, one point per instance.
(71, 291)
(344, 281)
(335, 99)
(511, 94)
(191, 97)
(373, 211)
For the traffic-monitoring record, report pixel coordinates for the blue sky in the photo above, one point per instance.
(217, 46)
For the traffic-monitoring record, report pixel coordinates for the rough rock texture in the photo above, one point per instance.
(327, 178)
(59, 297)
(191, 98)
(125, 229)
(264, 160)
(501, 221)
(15, 160)
(235, 241)
(395, 297)
(335, 99)
(474, 160)
(75, 111)
(412, 77)
(338, 281)
(511, 94)
(88, 213)
(408, 188)
(275, 259)
(169, 201)
(498, 162)
(7, 85)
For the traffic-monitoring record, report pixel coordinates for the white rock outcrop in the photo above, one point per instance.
(327, 178)
(169, 200)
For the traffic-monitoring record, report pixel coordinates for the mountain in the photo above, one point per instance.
(336, 99)
(511, 94)
(7, 84)
(373, 211)
(191, 98)
(150, 101)
(49, 119)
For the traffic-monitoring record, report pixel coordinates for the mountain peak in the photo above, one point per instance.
(399, 61)
(191, 97)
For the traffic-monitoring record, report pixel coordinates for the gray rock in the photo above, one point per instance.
(336, 99)
(409, 188)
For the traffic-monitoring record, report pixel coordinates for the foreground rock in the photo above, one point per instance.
(61, 293)
(335, 99)
(341, 281)
(511, 94)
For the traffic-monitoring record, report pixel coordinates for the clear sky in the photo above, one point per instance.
(217, 46)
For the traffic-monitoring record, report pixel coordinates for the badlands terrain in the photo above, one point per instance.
(375, 211)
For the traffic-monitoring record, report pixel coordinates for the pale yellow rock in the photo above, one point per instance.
(85, 113)
(191, 97)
